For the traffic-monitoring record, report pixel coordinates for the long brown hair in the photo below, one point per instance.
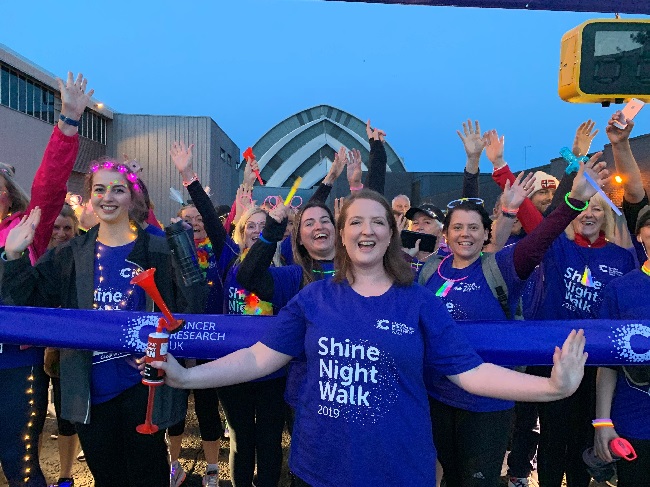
(394, 263)
(300, 254)
(138, 205)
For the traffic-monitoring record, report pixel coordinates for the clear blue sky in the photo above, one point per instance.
(416, 71)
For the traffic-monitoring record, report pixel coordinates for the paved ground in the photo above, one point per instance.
(192, 458)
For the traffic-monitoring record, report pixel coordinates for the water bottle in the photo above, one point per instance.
(602, 471)
(181, 243)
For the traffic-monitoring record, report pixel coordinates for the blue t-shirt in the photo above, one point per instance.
(365, 380)
(154, 230)
(112, 372)
(563, 267)
(626, 298)
(298, 366)
(286, 249)
(471, 299)
(214, 270)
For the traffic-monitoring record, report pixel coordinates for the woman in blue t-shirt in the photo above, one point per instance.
(471, 432)
(102, 392)
(366, 353)
(623, 394)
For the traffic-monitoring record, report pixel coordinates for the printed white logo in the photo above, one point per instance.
(396, 328)
(622, 342)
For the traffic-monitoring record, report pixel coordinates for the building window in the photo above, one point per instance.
(27, 95)
(229, 160)
(223, 155)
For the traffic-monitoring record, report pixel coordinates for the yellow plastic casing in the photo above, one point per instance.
(571, 53)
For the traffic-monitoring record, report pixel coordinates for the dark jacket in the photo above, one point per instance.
(64, 277)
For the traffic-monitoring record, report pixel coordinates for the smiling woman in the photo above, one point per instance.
(101, 392)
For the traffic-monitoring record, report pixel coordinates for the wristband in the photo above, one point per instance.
(265, 241)
(3, 255)
(357, 188)
(512, 212)
(602, 423)
(499, 168)
(509, 215)
(566, 200)
(192, 179)
(69, 121)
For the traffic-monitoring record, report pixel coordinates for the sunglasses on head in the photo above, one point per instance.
(460, 201)
(274, 201)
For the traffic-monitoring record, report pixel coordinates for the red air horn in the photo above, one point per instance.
(156, 345)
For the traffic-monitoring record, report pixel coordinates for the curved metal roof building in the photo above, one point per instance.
(305, 143)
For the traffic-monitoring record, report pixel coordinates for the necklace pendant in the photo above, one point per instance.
(444, 289)
(586, 277)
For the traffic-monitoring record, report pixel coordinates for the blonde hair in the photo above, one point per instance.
(238, 234)
(609, 223)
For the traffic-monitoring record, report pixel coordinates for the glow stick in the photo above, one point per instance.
(292, 191)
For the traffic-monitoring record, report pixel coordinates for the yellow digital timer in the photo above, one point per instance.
(605, 61)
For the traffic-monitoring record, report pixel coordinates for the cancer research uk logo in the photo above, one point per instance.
(628, 337)
(135, 333)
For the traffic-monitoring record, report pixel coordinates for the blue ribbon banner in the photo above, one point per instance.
(608, 6)
(609, 342)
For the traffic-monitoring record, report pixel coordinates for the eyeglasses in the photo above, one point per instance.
(274, 201)
(460, 201)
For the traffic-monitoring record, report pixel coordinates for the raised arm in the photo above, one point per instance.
(376, 179)
(474, 145)
(530, 250)
(528, 215)
(49, 186)
(627, 168)
(513, 197)
(182, 157)
(253, 273)
(325, 187)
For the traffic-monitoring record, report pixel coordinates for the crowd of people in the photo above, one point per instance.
(365, 342)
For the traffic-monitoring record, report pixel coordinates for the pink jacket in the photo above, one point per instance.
(48, 191)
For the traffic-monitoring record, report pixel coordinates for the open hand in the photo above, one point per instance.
(22, 235)
(583, 190)
(74, 98)
(515, 194)
(584, 135)
(354, 168)
(472, 140)
(182, 157)
(494, 147)
(569, 364)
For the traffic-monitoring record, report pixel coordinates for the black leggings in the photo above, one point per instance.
(117, 455)
(65, 427)
(206, 406)
(565, 432)
(20, 419)
(471, 446)
(637, 472)
(255, 412)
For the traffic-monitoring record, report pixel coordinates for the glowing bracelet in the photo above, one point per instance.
(292, 191)
(602, 423)
(266, 241)
(566, 200)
